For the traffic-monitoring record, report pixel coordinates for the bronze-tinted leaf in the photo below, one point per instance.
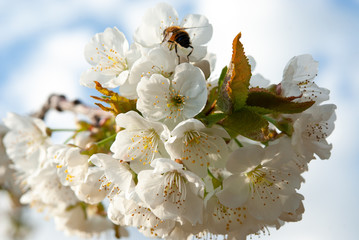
(118, 104)
(268, 102)
(240, 76)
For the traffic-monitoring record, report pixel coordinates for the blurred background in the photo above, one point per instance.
(41, 52)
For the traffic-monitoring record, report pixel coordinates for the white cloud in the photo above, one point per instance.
(28, 17)
(54, 66)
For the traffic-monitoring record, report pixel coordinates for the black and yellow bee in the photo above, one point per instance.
(176, 35)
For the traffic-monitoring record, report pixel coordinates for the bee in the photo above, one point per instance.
(176, 35)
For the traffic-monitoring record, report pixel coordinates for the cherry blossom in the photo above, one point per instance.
(173, 100)
(140, 142)
(197, 146)
(111, 58)
(151, 32)
(171, 192)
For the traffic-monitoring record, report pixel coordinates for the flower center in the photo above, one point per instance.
(111, 62)
(258, 176)
(232, 217)
(160, 70)
(175, 103)
(175, 188)
(144, 147)
(192, 137)
(317, 131)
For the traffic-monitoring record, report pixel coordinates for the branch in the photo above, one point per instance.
(60, 103)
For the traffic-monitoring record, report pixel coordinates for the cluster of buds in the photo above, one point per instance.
(177, 153)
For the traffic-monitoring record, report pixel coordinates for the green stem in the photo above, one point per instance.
(63, 130)
(69, 138)
(238, 142)
(271, 120)
(215, 181)
(107, 139)
(210, 174)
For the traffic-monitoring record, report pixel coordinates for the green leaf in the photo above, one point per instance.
(221, 77)
(214, 118)
(210, 105)
(245, 122)
(225, 102)
(283, 124)
(264, 102)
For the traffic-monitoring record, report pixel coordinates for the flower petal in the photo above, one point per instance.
(235, 191)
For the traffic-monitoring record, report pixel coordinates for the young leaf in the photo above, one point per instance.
(213, 118)
(210, 105)
(268, 102)
(221, 77)
(245, 122)
(241, 74)
(225, 102)
(118, 104)
(234, 86)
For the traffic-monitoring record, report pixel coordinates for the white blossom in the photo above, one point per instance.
(5, 172)
(257, 80)
(260, 181)
(311, 128)
(197, 146)
(293, 214)
(173, 100)
(70, 163)
(140, 142)
(156, 20)
(83, 138)
(116, 176)
(298, 80)
(171, 192)
(156, 61)
(46, 191)
(111, 59)
(127, 212)
(91, 189)
(236, 222)
(296, 161)
(26, 142)
(82, 221)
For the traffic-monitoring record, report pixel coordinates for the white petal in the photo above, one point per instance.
(162, 165)
(258, 80)
(200, 30)
(153, 94)
(89, 77)
(115, 171)
(243, 159)
(88, 191)
(199, 52)
(150, 188)
(235, 191)
(300, 68)
(154, 22)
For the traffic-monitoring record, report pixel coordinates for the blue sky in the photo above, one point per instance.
(41, 52)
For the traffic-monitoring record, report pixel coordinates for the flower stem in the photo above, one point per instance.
(215, 181)
(271, 120)
(238, 142)
(103, 141)
(63, 130)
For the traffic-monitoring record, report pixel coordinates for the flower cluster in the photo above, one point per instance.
(185, 154)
